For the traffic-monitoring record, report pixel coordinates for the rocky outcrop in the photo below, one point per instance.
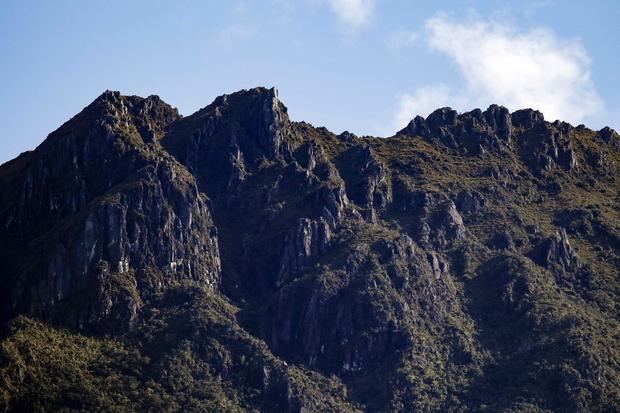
(499, 120)
(311, 236)
(470, 203)
(338, 319)
(417, 127)
(367, 181)
(157, 223)
(436, 221)
(556, 251)
(472, 132)
(224, 142)
(446, 223)
(527, 118)
(238, 171)
(548, 145)
(438, 265)
(275, 133)
(89, 154)
(608, 135)
(308, 240)
(103, 213)
(266, 264)
(540, 144)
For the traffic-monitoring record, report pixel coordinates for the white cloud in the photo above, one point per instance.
(352, 13)
(515, 69)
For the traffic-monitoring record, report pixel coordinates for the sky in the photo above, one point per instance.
(366, 66)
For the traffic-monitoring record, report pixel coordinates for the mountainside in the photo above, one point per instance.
(235, 260)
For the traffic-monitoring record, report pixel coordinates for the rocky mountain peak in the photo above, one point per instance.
(260, 114)
(241, 261)
(527, 118)
(229, 138)
(525, 133)
(150, 115)
(609, 135)
(443, 117)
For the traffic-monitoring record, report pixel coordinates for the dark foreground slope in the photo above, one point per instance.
(234, 260)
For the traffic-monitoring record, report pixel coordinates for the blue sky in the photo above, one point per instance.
(366, 66)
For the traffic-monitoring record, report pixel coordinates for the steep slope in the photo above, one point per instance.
(94, 210)
(236, 260)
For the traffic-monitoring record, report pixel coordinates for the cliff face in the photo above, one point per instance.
(236, 260)
(99, 216)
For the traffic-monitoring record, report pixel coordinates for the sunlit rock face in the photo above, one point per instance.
(236, 259)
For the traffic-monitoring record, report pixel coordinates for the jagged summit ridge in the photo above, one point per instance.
(525, 132)
(235, 259)
(267, 122)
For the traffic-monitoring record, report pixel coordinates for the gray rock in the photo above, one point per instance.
(470, 202)
(308, 240)
(557, 251)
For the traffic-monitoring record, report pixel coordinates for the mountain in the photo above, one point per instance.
(235, 260)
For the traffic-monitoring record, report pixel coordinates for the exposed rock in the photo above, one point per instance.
(326, 321)
(438, 265)
(546, 146)
(102, 204)
(472, 132)
(159, 222)
(438, 221)
(502, 241)
(417, 127)
(557, 251)
(250, 125)
(442, 118)
(275, 137)
(332, 201)
(308, 240)
(400, 249)
(347, 136)
(369, 183)
(238, 172)
(499, 120)
(608, 135)
(447, 219)
(269, 265)
(470, 202)
(76, 164)
(527, 118)
(599, 161)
